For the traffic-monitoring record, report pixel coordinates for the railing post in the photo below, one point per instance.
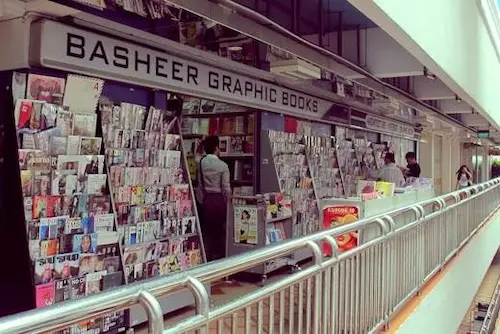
(318, 259)
(201, 298)
(153, 310)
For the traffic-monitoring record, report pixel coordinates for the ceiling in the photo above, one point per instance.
(334, 14)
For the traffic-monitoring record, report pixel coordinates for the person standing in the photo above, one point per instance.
(413, 168)
(389, 172)
(464, 177)
(216, 190)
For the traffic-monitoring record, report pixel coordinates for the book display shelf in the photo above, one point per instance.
(235, 127)
(152, 194)
(70, 223)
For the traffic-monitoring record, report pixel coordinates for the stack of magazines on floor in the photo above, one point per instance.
(72, 237)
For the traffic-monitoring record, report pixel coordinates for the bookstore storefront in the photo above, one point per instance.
(109, 133)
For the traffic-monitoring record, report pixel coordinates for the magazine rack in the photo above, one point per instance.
(257, 232)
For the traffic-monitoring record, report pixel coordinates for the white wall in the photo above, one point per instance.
(451, 38)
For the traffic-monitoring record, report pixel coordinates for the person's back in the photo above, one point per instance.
(390, 172)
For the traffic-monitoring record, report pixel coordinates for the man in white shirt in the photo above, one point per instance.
(390, 172)
(216, 190)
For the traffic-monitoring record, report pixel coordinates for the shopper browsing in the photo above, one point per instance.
(216, 189)
(464, 177)
(413, 168)
(389, 172)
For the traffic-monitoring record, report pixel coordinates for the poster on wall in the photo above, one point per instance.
(337, 215)
(245, 225)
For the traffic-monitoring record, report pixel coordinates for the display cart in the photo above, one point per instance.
(249, 228)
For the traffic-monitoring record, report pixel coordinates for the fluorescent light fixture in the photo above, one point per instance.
(296, 68)
(428, 74)
(235, 48)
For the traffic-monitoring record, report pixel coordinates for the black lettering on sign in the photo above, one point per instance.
(302, 102)
(213, 80)
(139, 61)
(161, 63)
(75, 46)
(176, 69)
(237, 87)
(248, 87)
(315, 106)
(121, 57)
(192, 74)
(308, 106)
(99, 52)
(284, 99)
(226, 83)
(258, 90)
(293, 100)
(272, 95)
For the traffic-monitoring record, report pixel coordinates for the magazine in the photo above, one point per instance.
(44, 270)
(84, 243)
(64, 182)
(45, 295)
(84, 124)
(104, 222)
(58, 145)
(65, 122)
(62, 290)
(77, 287)
(93, 282)
(67, 265)
(90, 145)
(27, 179)
(45, 88)
(245, 224)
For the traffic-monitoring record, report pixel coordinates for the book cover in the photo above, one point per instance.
(64, 182)
(27, 179)
(84, 124)
(77, 289)
(96, 184)
(173, 159)
(88, 264)
(49, 115)
(189, 225)
(45, 88)
(112, 264)
(48, 247)
(94, 282)
(23, 110)
(45, 295)
(44, 270)
(90, 145)
(58, 145)
(104, 222)
(84, 243)
(245, 224)
(41, 183)
(111, 280)
(64, 122)
(62, 290)
(37, 160)
(67, 265)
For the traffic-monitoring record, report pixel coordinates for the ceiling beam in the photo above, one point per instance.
(455, 107)
(431, 89)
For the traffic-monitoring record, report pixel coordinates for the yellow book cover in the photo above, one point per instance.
(385, 189)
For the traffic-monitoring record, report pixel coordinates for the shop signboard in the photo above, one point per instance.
(59, 46)
(337, 215)
(384, 125)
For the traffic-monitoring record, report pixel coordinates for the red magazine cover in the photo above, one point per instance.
(25, 109)
(45, 294)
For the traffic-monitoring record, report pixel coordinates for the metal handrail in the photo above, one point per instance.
(62, 315)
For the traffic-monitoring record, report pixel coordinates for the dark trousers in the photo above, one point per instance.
(213, 225)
